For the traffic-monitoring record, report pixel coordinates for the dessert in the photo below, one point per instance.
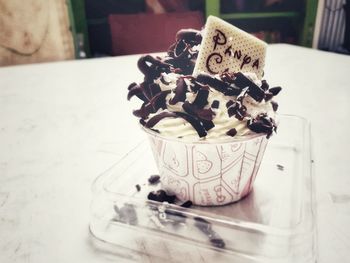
(207, 112)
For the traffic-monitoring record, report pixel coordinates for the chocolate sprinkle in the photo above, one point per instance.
(154, 179)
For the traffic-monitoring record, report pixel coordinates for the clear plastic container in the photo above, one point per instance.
(274, 223)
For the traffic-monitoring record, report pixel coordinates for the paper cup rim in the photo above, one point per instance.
(205, 141)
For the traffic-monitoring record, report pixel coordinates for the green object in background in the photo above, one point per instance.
(309, 23)
(77, 17)
(308, 15)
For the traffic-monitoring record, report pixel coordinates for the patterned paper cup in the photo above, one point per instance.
(208, 173)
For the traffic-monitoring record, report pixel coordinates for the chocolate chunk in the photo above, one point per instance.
(275, 90)
(215, 104)
(180, 92)
(254, 91)
(161, 196)
(138, 187)
(232, 132)
(154, 179)
(274, 105)
(205, 227)
(187, 204)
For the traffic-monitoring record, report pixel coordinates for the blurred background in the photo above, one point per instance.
(50, 30)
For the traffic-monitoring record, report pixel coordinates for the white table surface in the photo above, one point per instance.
(63, 123)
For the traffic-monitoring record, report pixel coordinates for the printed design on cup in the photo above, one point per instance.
(260, 154)
(175, 158)
(211, 192)
(175, 185)
(229, 155)
(204, 166)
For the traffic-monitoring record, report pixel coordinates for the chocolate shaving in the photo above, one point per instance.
(135, 89)
(274, 105)
(152, 67)
(196, 124)
(180, 92)
(208, 124)
(144, 111)
(264, 85)
(203, 114)
(202, 98)
(181, 50)
(154, 89)
(229, 103)
(275, 90)
(268, 96)
(254, 91)
(218, 84)
(198, 86)
(157, 118)
(158, 101)
(189, 35)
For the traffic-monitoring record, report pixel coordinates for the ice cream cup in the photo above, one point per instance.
(208, 173)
